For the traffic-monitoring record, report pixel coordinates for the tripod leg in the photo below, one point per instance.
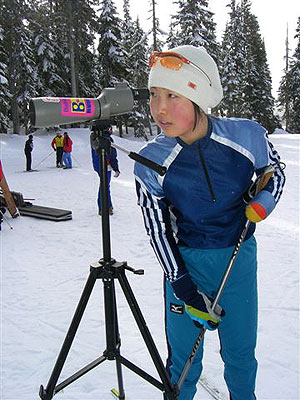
(48, 393)
(120, 379)
(138, 316)
(112, 331)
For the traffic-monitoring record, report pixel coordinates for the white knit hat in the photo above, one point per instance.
(202, 86)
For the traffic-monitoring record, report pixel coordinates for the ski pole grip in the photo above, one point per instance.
(148, 163)
(264, 178)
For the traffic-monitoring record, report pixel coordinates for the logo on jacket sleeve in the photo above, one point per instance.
(176, 308)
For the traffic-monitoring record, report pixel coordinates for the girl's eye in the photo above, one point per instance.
(172, 96)
(152, 94)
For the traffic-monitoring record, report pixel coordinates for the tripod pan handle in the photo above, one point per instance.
(148, 163)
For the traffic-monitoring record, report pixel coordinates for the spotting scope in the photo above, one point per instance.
(52, 111)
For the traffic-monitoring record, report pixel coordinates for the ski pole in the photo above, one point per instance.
(256, 187)
(5, 219)
(44, 159)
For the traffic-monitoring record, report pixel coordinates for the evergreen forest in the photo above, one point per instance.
(76, 48)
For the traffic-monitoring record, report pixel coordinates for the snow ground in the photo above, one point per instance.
(45, 264)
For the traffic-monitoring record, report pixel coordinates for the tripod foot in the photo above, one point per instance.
(43, 394)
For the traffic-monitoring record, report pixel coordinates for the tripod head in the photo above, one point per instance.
(99, 140)
(100, 135)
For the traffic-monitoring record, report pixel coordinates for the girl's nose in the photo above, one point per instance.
(162, 106)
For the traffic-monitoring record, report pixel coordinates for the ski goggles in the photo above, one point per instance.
(173, 61)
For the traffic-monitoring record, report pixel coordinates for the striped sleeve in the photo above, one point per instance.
(276, 183)
(157, 222)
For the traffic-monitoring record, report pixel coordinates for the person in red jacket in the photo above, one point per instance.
(67, 157)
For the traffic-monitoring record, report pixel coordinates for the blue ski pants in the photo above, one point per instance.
(67, 159)
(237, 329)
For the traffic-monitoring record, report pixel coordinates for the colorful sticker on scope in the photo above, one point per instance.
(77, 107)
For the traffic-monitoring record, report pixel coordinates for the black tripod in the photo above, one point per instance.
(108, 269)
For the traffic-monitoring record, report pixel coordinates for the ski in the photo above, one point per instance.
(25, 171)
(62, 168)
(210, 389)
(116, 395)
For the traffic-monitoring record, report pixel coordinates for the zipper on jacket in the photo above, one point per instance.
(209, 184)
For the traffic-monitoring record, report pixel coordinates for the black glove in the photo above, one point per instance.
(197, 304)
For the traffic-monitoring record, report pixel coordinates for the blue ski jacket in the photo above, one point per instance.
(199, 201)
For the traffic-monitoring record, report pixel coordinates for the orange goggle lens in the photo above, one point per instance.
(168, 60)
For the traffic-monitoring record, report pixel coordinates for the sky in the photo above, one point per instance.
(273, 17)
(45, 265)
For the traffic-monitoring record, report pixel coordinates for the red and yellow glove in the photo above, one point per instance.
(260, 207)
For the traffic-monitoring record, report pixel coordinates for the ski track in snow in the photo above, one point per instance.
(45, 266)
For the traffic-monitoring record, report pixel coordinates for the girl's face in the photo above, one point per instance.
(175, 115)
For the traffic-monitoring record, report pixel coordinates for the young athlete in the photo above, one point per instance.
(195, 213)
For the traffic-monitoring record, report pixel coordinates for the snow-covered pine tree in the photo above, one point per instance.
(110, 49)
(258, 102)
(84, 29)
(139, 57)
(139, 78)
(295, 85)
(289, 89)
(156, 32)
(127, 34)
(128, 39)
(245, 73)
(59, 38)
(75, 26)
(195, 25)
(49, 56)
(283, 100)
(232, 63)
(94, 74)
(4, 91)
(173, 38)
(28, 81)
(124, 46)
(21, 76)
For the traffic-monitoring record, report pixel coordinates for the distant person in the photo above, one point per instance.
(58, 146)
(112, 165)
(67, 148)
(28, 150)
